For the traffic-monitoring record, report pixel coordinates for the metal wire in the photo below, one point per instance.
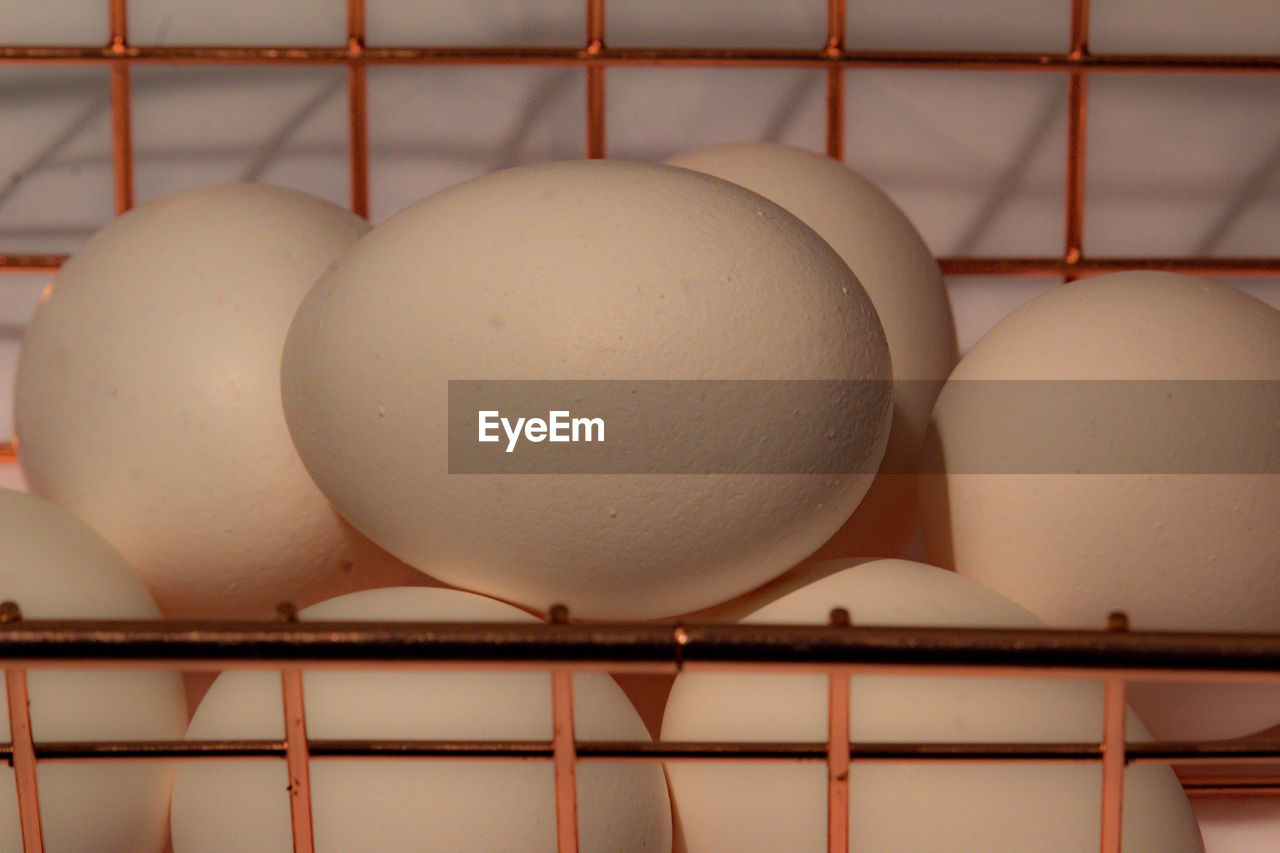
(1114, 755)
(121, 123)
(1077, 111)
(22, 756)
(948, 60)
(841, 650)
(358, 109)
(1116, 656)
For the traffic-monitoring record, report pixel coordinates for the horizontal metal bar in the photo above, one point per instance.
(244, 749)
(1230, 786)
(1151, 655)
(1091, 266)
(31, 263)
(957, 266)
(1202, 785)
(240, 749)
(152, 750)
(858, 752)
(1230, 753)
(589, 56)
(586, 750)
(1240, 751)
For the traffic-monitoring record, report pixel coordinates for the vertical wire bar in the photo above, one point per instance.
(838, 749)
(117, 21)
(355, 21)
(121, 137)
(22, 747)
(297, 756)
(121, 129)
(24, 760)
(1114, 758)
(595, 81)
(1079, 27)
(835, 112)
(835, 79)
(564, 752)
(1077, 108)
(838, 764)
(595, 112)
(297, 751)
(1113, 764)
(358, 110)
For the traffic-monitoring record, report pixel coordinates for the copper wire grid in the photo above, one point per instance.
(1115, 656)
(595, 57)
(1077, 62)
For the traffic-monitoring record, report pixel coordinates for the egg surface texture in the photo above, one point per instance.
(148, 401)
(591, 270)
(891, 260)
(54, 567)
(1111, 446)
(901, 806)
(413, 805)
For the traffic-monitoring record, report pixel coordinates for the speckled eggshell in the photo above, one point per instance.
(54, 567)
(581, 270)
(891, 260)
(409, 806)
(896, 807)
(1193, 550)
(148, 401)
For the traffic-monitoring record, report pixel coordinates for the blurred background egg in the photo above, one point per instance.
(1112, 446)
(593, 270)
(395, 806)
(893, 264)
(901, 806)
(148, 401)
(55, 567)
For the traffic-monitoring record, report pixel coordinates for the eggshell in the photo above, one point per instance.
(54, 567)
(413, 805)
(591, 271)
(891, 260)
(1172, 541)
(900, 806)
(148, 401)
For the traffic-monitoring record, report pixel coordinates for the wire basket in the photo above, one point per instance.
(1113, 656)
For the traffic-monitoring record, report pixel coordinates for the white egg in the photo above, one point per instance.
(908, 806)
(891, 260)
(418, 804)
(592, 271)
(148, 401)
(1166, 404)
(54, 567)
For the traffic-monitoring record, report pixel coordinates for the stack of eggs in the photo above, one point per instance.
(642, 391)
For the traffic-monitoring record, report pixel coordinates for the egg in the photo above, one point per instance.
(899, 806)
(1109, 446)
(148, 401)
(55, 567)
(610, 276)
(891, 260)
(417, 804)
